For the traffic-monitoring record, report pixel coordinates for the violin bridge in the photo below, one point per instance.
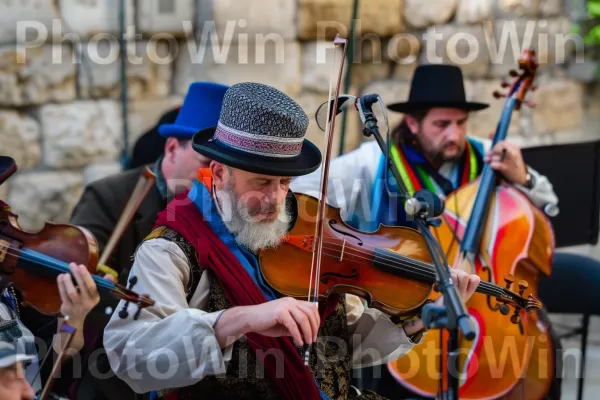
(343, 247)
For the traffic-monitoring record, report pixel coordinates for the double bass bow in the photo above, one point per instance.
(490, 228)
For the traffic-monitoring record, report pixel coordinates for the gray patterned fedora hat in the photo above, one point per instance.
(260, 130)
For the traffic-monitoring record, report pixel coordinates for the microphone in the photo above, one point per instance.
(424, 202)
(364, 106)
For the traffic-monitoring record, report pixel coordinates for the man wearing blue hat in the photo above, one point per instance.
(103, 202)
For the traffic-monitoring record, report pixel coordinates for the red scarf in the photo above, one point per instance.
(183, 216)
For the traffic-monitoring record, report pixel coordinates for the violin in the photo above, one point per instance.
(32, 261)
(390, 268)
(490, 228)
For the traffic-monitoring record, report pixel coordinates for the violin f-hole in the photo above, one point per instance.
(333, 225)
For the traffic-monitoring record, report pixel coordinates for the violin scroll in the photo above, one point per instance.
(523, 82)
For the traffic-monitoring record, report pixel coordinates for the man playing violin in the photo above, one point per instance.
(434, 153)
(218, 330)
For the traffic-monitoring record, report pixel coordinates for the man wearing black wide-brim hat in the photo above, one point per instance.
(218, 328)
(431, 149)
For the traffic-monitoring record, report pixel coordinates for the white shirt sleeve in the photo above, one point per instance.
(374, 338)
(170, 344)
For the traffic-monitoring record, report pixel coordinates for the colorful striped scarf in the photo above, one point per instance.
(416, 174)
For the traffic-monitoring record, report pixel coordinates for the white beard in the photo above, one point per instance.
(252, 235)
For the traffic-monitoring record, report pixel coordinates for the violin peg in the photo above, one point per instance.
(504, 309)
(137, 313)
(513, 73)
(509, 279)
(498, 95)
(515, 319)
(522, 286)
(123, 313)
(504, 84)
(132, 282)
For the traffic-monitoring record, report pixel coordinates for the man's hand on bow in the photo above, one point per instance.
(281, 317)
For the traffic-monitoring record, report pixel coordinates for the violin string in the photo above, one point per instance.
(416, 265)
(405, 265)
(424, 272)
(58, 267)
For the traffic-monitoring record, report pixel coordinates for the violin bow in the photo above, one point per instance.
(142, 188)
(315, 272)
(65, 327)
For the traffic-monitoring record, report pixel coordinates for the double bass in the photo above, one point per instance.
(490, 228)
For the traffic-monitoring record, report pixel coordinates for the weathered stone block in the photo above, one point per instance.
(459, 45)
(317, 60)
(436, 12)
(404, 71)
(20, 137)
(552, 8)
(37, 75)
(80, 133)
(24, 21)
(160, 16)
(390, 91)
(240, 21)
(363, 73)
(322, 20)
(37, 197)
(94, 19)
(559, 105)
(275, 63)
(144, 114)
(474, 11)
(99, 171)
(149, 69)
(550, 39)
(519, 8)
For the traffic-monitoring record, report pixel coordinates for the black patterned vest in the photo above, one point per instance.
(329, 358)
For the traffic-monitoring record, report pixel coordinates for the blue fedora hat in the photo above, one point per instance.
(201, 109)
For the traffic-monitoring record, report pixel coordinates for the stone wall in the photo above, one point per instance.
(60, 72)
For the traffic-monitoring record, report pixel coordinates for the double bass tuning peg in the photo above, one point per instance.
(498, 95)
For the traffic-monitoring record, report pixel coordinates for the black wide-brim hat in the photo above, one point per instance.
(8, 166)
(437, 85)
(260, 130)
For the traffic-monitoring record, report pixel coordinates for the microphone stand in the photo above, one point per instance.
(453, 315)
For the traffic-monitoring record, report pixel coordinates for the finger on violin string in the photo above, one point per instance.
(70, 289)
(84, 280)
(64, 296)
